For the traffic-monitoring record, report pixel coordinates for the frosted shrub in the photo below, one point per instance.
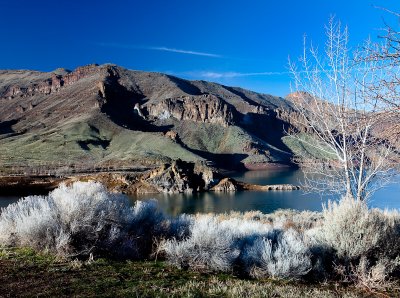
(81, 219)
(280, 219)
(90, 215)
(246, 245)
(83, 204)
(281, 254)
(30, 222)
(301, 221)
(209, 246)
(212, 244)
(364, 242)
(353, 230)
(177, 227)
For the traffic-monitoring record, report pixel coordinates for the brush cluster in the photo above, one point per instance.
(346, 242)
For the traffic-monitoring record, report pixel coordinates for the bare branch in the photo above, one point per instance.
(339, 118)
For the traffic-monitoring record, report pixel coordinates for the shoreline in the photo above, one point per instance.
(28, 185)
(130, 183)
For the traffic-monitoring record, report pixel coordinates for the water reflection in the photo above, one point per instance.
(387, 197)
(240, 201)
(266, 202)
(276, 176)
(5, 201)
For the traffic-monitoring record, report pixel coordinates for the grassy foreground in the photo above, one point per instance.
(23, 272)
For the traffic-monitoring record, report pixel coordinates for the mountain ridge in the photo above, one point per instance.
(106, 114)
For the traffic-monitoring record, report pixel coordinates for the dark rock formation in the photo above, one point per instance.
(180, 177)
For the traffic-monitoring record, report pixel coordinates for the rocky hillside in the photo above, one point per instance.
(110, 117)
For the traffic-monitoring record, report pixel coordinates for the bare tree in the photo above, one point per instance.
(337, 117)
(385, 55)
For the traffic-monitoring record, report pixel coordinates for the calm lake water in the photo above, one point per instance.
(266, 201)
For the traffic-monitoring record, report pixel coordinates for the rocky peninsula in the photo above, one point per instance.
(176, 177)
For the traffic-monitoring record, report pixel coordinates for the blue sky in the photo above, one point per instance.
(238, 43)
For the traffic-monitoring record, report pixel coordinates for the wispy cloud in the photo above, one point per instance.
(221, 75)
(188, 52)
(163, 49)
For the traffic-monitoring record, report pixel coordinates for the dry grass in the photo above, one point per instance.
(24, 272)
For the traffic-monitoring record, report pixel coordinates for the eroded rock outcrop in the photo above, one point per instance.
(180, 177)
(79, 73)
(226, 185)
(177, 177)
(50, 85)
(205, 108)
(172, 135)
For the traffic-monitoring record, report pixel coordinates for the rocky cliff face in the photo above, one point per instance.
(204, 108)
(49, 85)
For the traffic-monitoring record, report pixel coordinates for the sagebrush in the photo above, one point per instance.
(347, 241)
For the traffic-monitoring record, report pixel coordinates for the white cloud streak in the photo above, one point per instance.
(221, 75)
(163, 49)
(188, 52)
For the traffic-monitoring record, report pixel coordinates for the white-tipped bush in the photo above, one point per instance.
(282, 254)
(222, 245)
(375, 276)
(212, 244)
(81, 219)
(208, 246)
(30, 222)
(353, 230)
(245, 245)
(301, 221)
(357, 244)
